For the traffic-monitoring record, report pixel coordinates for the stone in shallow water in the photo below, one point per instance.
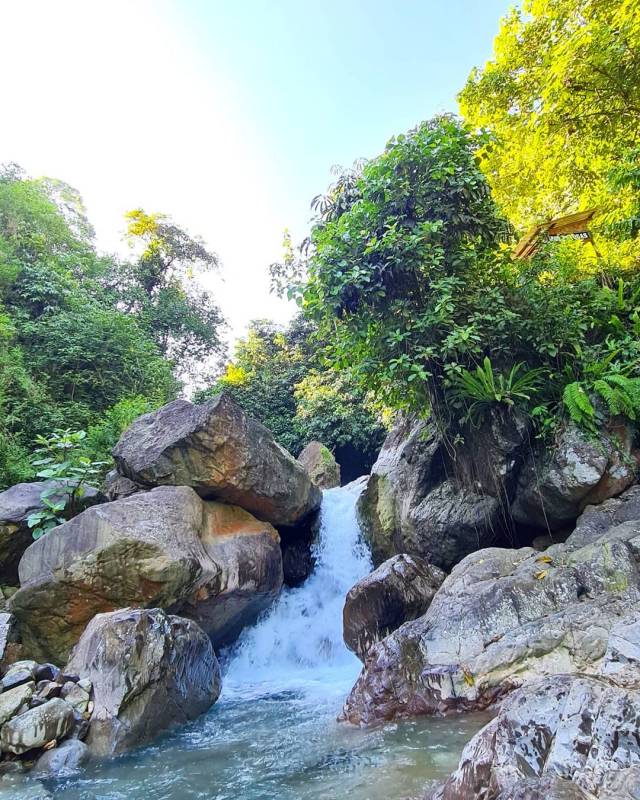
(36, 727)
(149, 671)
(63, 760)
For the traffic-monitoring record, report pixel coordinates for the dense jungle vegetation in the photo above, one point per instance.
(409, 295)
(408, 270)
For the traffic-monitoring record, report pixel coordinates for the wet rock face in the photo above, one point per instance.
(36, 727)
(501, 618)
(164, 548)
(561, 737)
(401, 589)
(322, 467)
(555, 486)
(149, 671)
(16, 504)
(220, 452)
(428, 501)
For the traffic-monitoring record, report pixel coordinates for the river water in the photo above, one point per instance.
(273, 735)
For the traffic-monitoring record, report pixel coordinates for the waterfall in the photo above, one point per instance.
(298, 645)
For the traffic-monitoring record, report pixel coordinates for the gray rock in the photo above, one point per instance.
(564, 737)
(8, 632)
(16, 505)
(501, 618)
(554, 486)
(149, 671)
(164, 548)
(62, 761)
(13, 699)
(76, 696)
(401, 589)
(440, 503)
(322, 467)
(220, 452)
(18, 673)
(36, 727)
(117, 487)
(597, 520)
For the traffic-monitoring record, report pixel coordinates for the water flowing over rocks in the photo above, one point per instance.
(322, 467)
(399, 590)
(164, 548)
(149, 671)
(501, 618)
(16, 505)
(561, 737)
(427, 499)
(223, 454)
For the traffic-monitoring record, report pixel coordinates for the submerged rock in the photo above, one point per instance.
(149, 671)
(558, 738)
(401, 589)
(64, 760)
(164, 548)
(16, 505)
(322, 467)
(428, 499)
(223, 454)
(501, 618)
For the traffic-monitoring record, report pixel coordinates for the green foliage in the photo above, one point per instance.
(418, 298)
(103, 436)
(560, 102)
(480, 390)
(277, 376)
(59, 458)
(161, 290)
(85, 339)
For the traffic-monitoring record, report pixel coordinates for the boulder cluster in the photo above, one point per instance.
(548, 638)
(134, 595)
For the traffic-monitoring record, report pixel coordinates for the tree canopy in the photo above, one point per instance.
(81, 334)
(560, 104)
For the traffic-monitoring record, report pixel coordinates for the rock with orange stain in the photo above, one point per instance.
(223, 454)
(165, 548)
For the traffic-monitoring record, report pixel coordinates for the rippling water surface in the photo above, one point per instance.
(273, 735)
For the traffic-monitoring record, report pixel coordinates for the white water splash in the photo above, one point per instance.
(299, 645)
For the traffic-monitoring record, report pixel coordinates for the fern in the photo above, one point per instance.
(621, 394)
(578, 405)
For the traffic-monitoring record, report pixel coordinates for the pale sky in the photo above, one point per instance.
(225, 114)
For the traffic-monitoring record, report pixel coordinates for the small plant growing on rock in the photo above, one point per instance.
(60, 459)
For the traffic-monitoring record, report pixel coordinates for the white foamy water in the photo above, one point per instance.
(299, 644)
(273, 733)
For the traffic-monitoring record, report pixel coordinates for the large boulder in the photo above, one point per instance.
(555, 484)
(399, 590)
(16, 506)
(249, 556)
(220, 452)
(560, 738)
(164, 548)
(322, 467)
(149, 671)
(501, 618)
(429, 498)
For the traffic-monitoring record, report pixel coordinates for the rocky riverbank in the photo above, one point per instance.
(135, 594)
(548, 639)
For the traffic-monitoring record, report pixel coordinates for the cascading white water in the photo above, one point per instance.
(273, 734)
(299, 644)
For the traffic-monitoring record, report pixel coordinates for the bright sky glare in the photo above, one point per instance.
(225, 114)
